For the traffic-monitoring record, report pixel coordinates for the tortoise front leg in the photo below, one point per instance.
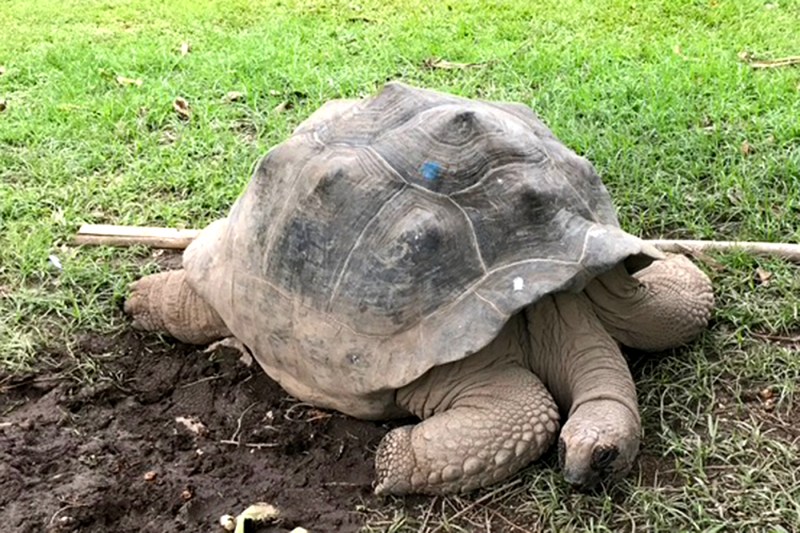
(165, 302)
(662, 306)
(587, 374)
(486, 428)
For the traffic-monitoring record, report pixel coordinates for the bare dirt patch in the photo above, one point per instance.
(110, 455)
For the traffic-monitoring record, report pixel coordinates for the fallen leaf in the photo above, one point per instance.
(122, 80)
(150, 475)
(763, 277)
(771, 6)
(167, 137)
(192, 424)
(181, 106)
(232, 342)
(234, 96)
(442, 64)
(54, 260)
(2, 70)
(747, 148)
(185, 48)
(766, 393)
(58, 216)
(283, 106)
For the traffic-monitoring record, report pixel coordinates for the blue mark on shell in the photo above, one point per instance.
(431, 171)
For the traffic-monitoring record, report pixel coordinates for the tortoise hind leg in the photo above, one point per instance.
(482, 429)
(165, 302)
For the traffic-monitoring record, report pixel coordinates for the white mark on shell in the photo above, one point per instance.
(518, 284)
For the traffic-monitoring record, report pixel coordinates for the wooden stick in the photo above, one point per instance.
(178, 239)
(790, 252)
(109, 235)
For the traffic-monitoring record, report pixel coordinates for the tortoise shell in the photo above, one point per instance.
(393, 234)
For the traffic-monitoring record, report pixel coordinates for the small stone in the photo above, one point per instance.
(186, 494)
(767, 394)
(150, 475)
(299, 530)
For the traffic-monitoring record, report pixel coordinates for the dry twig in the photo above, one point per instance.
(754, 62)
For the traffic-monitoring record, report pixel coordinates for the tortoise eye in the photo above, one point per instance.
(603, 457)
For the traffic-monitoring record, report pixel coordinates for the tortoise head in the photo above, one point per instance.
(598, 444)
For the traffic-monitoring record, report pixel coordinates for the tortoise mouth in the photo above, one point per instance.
(583, 480)
(590, 477)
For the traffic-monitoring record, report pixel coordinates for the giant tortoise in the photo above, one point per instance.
(420, 253)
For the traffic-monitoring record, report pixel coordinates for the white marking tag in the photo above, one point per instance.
(518, 284)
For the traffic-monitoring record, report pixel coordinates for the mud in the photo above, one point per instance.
(108, 452)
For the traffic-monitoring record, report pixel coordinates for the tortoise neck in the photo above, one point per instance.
(575, 356)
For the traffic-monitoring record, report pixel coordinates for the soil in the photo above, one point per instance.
(111, 453)
(132, 433)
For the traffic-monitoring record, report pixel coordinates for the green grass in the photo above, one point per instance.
(654, 93)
